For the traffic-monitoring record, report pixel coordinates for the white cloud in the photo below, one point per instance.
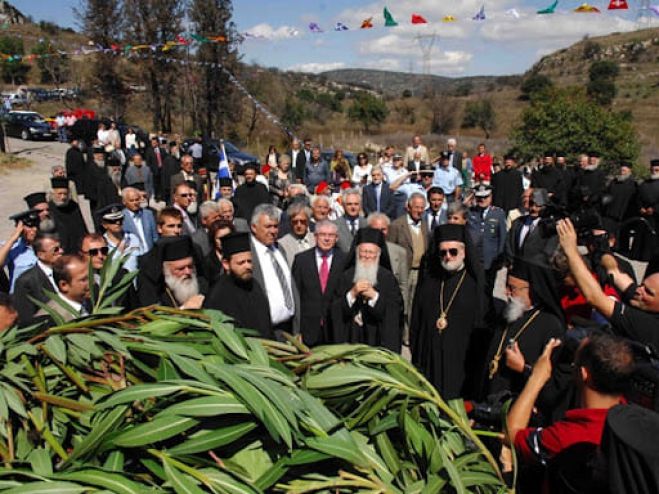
(394, 64)
(265, 30)
(316, 67)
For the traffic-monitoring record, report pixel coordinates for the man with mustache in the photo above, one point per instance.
(236, 293)
(527, 326)
(180, 285)
(68, 219)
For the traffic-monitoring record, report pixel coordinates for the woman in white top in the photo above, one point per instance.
(361, 174)
(103, 135)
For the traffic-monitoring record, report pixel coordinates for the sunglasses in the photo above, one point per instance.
(185, 196)
(95, 252)
(453, 251)
(299, 222)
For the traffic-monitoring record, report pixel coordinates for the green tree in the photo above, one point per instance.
(293, 115)
(480, 114)
(102, 22)
(534, 85)
(219, 103)
(368, 110)
(591, 49)
(601, 86)
(569, 120)
(53, 67)
(14, 71)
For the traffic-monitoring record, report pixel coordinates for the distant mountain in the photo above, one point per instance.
(394, 83)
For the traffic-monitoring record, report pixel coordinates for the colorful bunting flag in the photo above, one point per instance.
(449, 18)
(513, 13)
(585, 8)
(340, 27)
(618, 5)
(480, 15)
(549, 10)
(654, 9)
(367, 23)
(389, 20)
(418, 19)
(315, 28)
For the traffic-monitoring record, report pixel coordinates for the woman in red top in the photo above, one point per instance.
(482, 164)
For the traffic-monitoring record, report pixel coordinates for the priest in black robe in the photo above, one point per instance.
(236, 293)
(592, 180)
(108, 183)
(66, 214)
(367, 306)
(548, 177)
(250, 194)
(620, 203)
(507, 186)
(645, 245)
(531, 317)
(447, 311)
(75, 165)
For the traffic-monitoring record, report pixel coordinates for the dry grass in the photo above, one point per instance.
(10, 162)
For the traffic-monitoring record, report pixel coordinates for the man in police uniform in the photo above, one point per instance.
(486, 226)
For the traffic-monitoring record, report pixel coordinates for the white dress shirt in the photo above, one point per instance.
(278, 311)
(48, 271)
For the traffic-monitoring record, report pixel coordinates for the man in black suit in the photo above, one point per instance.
(316, 273)
(526, 238)
(350, 223)
(298, 160)
(378, 197)
(38, 278)
(170, 167)
(75, 165)
(187, 174)
(155, 159)
(455, 156)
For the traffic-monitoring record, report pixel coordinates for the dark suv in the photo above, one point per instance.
(28, 125)
(234, 155)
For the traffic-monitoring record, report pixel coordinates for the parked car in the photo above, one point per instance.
(14, 97)
(28, 125)
(234, 155)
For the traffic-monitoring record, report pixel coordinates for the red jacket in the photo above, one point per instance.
(482, 166)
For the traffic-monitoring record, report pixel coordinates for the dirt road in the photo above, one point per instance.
(16, 184)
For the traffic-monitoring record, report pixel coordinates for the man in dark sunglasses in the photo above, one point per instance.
(94, 248)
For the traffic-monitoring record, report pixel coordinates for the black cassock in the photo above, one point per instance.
(550, 178)
(75, 168)
(69, 225)
(248, 196)
(244, 302)
(106, 191)
(645, 241)
(593, 180)
(382, 324)
(621, 203)
(531, 343)
(507, 189)
(441, 356)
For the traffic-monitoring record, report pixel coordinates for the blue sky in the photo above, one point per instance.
(502, 44)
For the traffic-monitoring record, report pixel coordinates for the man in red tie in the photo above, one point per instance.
(316, 272)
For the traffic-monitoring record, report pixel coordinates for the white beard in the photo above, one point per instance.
(61, 204)
(654, 176)
(590, 168)
(453, 266)
(192, 208)
(366, 272)
(514, 309)
(47, 225)
(116, 177)
(182, 289)
(622, 178)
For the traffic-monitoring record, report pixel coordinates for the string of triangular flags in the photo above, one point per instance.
(480, 15)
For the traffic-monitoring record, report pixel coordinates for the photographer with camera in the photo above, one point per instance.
(637, 319)
(604, 366)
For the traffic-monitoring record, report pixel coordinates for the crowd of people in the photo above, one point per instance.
(402, 250)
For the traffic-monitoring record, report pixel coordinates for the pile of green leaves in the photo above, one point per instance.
(161, 400)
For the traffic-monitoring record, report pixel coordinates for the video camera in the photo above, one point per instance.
(584, 219)
(29, 218)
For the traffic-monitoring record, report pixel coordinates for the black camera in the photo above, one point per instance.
(29, 218)
(584, 220)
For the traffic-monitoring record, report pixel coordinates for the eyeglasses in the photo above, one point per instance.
(515, 289)
(453, 251)
(185, 196)
(56, 249)
(97, 251)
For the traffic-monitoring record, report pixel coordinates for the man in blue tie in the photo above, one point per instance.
(138, 219)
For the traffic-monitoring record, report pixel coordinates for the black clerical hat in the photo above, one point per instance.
(235, 243)
(112, 160)
(179, 248)
(654, 162)
(226, 182)
(594, 154)
(520, 269)
(138, 186)
(509, 157)
(29, 218)
(252, 165)
(450, 233)
(98, 150)
(111, 212)
(369, 236)
(549, 152)
(59, 183)
(35, 198)
(627, 164)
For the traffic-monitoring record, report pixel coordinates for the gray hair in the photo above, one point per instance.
(298, 187)
(319, 197)
(351, 192)
(284, 158)
(128, 190)
(207, 208)
(297, 208)
(451, 141)
(456, 208)
(414, 196)
(268, 210)
(54, 168)
(378, 216)
(224, 202)
(327, 223)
